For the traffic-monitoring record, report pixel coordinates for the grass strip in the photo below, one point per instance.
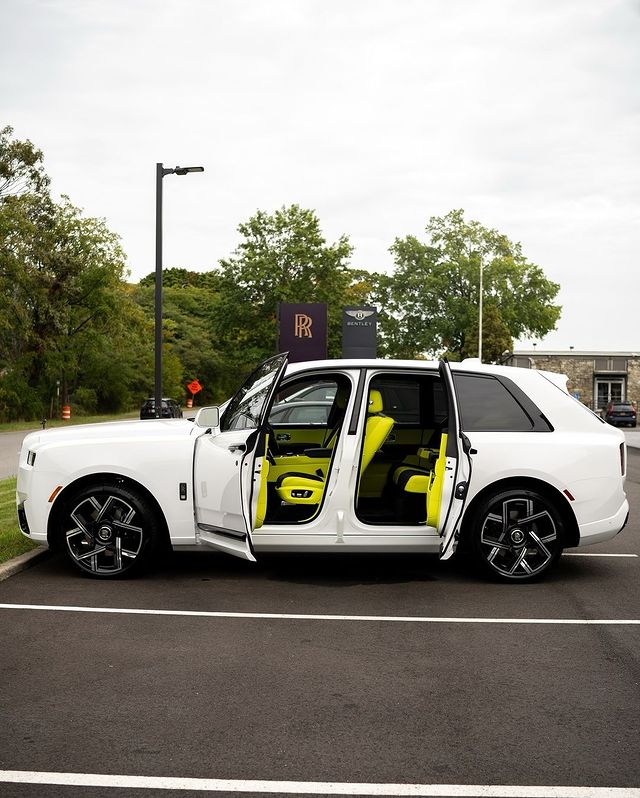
(12, 541)
(18, 426)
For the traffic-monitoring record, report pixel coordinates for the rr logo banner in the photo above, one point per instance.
(303, 330)
(302, 327)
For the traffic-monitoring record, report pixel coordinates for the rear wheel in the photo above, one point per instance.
(517, 535)
(108, 531)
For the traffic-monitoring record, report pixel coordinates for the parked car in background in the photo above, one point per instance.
(170, 409)
(413, 456)
(621, 414)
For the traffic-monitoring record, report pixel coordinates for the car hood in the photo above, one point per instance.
(113, 430)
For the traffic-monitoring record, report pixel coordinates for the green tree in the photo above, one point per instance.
(429, 304)
(283, 257)
(190, 305)
(67, 313)
(21, 168)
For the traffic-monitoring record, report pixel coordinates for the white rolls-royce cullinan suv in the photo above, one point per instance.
(413, 456)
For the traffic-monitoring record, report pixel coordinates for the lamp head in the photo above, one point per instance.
(182, 170)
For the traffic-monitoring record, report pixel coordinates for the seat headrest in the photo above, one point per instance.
(375, 402)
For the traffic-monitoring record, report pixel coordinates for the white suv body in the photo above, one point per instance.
(415, 456)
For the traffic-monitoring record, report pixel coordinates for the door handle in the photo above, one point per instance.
(237, 447)
(283, 436)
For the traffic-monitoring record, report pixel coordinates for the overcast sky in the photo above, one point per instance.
(376, 113)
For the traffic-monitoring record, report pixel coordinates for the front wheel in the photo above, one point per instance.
(108, 531)
(517, 535)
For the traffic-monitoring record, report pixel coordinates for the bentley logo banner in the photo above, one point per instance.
(359, 332)
(303, 330)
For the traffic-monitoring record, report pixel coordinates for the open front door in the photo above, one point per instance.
(228, 464)
(457, 470)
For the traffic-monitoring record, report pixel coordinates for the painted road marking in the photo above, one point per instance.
(289, 616)
(589, 554)
(311, 787)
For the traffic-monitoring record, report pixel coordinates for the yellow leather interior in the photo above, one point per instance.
(261, 509)
(377, 429)
(436, 484)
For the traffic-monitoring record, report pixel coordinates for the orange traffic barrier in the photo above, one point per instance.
(66, 412)
(190, 402)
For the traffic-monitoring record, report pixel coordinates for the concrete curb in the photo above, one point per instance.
(22, 561)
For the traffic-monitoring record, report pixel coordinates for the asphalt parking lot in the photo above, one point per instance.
(455, 685)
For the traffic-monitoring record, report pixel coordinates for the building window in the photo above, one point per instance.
(522, 362)
(617, 364)
(609, 391)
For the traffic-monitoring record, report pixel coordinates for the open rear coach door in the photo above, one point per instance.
(457, 469)
(230, 463)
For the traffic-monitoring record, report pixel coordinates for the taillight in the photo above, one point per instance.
(622, 461)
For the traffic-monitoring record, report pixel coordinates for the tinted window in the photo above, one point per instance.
(486, 405)
(400, 398)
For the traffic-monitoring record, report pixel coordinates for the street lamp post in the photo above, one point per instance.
(160, 173)
(480, 313)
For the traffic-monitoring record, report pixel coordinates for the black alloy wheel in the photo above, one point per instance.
(109, 531)
(517, 535)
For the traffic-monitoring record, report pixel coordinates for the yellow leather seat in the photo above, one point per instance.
(377, 429)
(300, 488)
(431, 483)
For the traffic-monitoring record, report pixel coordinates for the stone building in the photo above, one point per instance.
(596, 378)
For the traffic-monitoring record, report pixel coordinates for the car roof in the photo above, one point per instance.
(470, 364)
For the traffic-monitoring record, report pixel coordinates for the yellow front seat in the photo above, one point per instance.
(299, 488)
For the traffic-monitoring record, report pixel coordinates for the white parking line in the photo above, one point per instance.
(289, 616)
(589, 554)
(312, 787)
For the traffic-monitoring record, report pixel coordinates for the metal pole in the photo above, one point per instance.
(480, 314)
(158, 292)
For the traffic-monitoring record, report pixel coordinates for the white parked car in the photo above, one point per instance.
(413, 457)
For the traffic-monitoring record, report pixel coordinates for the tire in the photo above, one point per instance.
(516, 535)
(108, 531)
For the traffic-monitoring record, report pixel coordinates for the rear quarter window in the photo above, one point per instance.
(486, 405)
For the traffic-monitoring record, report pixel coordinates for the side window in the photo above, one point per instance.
(318, 400)
(400, 398)
(487, 406)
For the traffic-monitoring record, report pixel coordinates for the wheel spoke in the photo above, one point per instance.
(118, 553)
(541, 544)
(518, 561)
(104, 508)
(532, 518)
(120, 525)
(91, 553)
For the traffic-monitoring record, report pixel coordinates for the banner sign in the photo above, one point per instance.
(302, 330)
(359, 332)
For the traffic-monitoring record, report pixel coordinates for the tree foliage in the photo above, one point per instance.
(21, 168)
(283, 257)
(429, 303)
